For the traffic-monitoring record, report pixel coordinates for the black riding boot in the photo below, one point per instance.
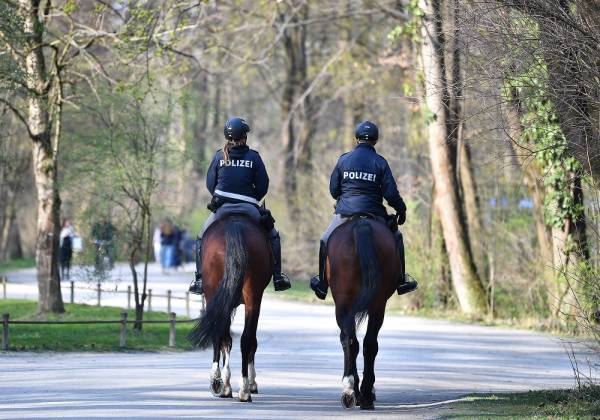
(196, 286)
(406, 283)
(318, 283)
(280, 281)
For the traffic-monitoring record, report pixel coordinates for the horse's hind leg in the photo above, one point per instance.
(370, 349)
(350, 394)
(248, 344)
(216, 383)
(252, 371)
(226, 374)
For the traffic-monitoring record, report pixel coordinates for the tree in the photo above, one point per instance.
(466, 282)
(129, 144)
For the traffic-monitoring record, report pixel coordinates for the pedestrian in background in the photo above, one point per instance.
(156, 244)
(168, 245)
(65, 250)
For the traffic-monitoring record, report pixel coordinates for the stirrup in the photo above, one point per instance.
(196, 287)
(408, 285)
(282, 283)
(315, 285)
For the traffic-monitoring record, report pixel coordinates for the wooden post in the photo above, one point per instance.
(168, 301)
(187, 304)
(149, 300)
(5, 318)
(123, 336)
(4, 287)
(129, 297)
(99, 293)
(172, 342)
(72, 300)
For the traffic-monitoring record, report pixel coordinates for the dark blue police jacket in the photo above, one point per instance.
(361, 180)
(243, 178)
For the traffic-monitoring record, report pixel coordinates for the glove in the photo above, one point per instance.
(214, 204)
(401, 216)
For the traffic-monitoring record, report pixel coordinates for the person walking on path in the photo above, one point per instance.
(65, 250)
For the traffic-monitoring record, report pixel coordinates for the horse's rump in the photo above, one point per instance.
(362, 266)
(235, 250)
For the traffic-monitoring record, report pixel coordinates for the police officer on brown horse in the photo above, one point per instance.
(360, 181)
(238, 180)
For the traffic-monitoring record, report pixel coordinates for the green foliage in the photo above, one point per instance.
(17, 264)
(99, 337)
(579, 403)
(11, 28)
(410, 29)
(542, 130)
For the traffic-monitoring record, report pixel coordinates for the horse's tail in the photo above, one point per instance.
(369, 272)
(216, 321)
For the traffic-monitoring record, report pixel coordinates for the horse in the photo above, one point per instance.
(362, 269)
(237, 266)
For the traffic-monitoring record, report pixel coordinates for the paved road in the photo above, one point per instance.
(299, 363)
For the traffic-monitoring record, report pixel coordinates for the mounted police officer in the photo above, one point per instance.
(360, 181)
(238, 180)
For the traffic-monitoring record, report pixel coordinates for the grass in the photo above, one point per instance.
(300, 291)
(87, 337)
(16, 264)
(577, 403)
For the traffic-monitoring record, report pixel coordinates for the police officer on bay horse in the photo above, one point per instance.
(359, 182)
(237, 177)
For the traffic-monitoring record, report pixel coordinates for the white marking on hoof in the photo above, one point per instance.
(227, 392)
(348, 398)
(215, 372)
(216, 384)
(252, 379)
(244, 392)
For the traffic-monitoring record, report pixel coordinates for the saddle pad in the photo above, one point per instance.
(246, 209)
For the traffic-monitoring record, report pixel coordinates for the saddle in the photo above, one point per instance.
(260, 215)
(390, 220)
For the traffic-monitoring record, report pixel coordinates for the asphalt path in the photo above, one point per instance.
(422, 364)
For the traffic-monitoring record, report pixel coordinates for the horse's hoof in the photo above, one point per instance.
(217, 387)
(244, 398)
(226, 392)
(253, 389)
(367, 406)
(348, 399)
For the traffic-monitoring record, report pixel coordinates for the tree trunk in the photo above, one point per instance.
(466, 282)
(44, 163)
(298, 125)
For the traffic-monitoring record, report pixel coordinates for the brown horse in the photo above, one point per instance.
(362, 268)
(237, 266)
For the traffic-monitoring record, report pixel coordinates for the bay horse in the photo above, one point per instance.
(237, 266)
(362, 269)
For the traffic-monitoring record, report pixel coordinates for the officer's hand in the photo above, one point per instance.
(401, 215)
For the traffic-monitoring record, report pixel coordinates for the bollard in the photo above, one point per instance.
(149, 300)
(123, 336)
(187, 304)
(5, 318)
(4, 287)
(72, 299)
(172, 330)
(168, 301)
(99, 292)
(128, 297)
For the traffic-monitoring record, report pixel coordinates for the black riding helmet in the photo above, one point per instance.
(366, 130)
(236, 129)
